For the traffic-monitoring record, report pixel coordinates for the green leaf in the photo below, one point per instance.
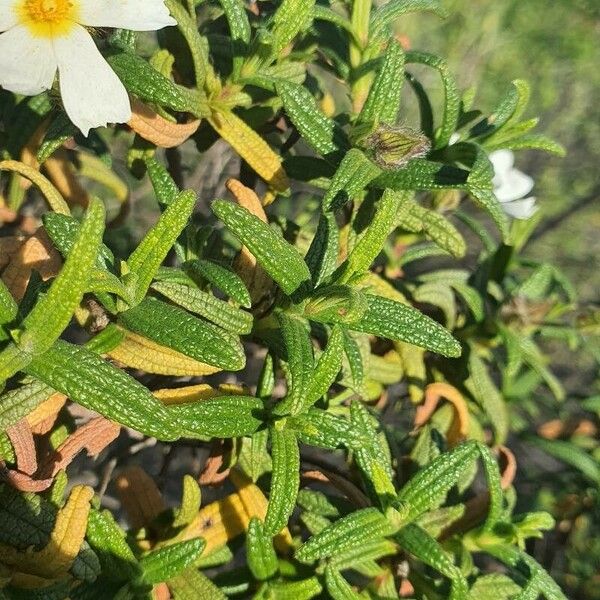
(428, 488)
(320, 428)
(451, 94)
(291, 18)
(153, 249)
(175, 328)
(18, 403)
(494, 586)
(383, 101)
(337, 586)
(322, 255)
(285, 479)
(421, 545)
(262, 559)
(319, 131)
(422, 174)
(278, 258)
(206, 305)
(532, 142)
(222, 278)
(167, 562)
(570, 454)
(220, 417)
(351, 531)
(145, 82)
(299, 357)
(353, 175)
(239, 26)
(60, 130)
(190, 502)
(481, 386)
(164, 186)
(108, 541)
(393, 320)
(327, 368)
(99, 386)
(303, 589)
(371, 243)
(385, 15)
(193, 585)
(53, 312)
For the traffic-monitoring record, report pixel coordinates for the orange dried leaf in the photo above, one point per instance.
(36, 253)
(60, 171)
(434, 392)
(139, 496)
(154, 128)
(42, 418)
(21, 439)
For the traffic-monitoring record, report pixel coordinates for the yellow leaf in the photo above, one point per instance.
(252, 148)
(38, 569)
(138, 352)
(42, 417)
(154, 128)
(68, 533)
(52, 195)
(196, 393)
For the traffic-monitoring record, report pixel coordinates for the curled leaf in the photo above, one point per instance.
(152, 127)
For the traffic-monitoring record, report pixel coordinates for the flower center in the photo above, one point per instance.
(48, 18)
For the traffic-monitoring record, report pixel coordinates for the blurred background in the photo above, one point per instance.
(556, 47)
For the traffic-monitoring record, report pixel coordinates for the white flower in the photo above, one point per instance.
(511, 186)
(42, 36)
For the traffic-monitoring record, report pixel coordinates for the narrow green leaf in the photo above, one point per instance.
(175, 328)
(99, 386)
(300, 361)
(323, 429)
(351, 531)
(262, 559)
(371, 243)
(383, 101)
(220, 417)
(421, 545)
(222, 278)
(428, 488)
(285, 479)
(291, 18)
(167, 562)
(319, 131)
(337, 586)
(206, 305)
(153, 249)
(327, 368)
(322, 255)
(385, 15)
(393, 320)
(53, 312)
(164, 186)
(353, 175)
(278, 258)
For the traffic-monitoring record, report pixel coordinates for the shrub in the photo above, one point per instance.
(303, 333)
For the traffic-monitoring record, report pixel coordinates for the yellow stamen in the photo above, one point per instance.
(48, 18)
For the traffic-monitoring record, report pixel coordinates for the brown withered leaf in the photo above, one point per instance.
(152, 127)
(434, 392)
(36, 253)
(21, 439)
(139, 496)
(59, 170)
(9, 246)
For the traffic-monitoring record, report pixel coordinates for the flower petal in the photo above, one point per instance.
(92, 93)
(515, 185)
(138, 15)
(27, 63)
(9, 15)
(520, 209)
(502, 161)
